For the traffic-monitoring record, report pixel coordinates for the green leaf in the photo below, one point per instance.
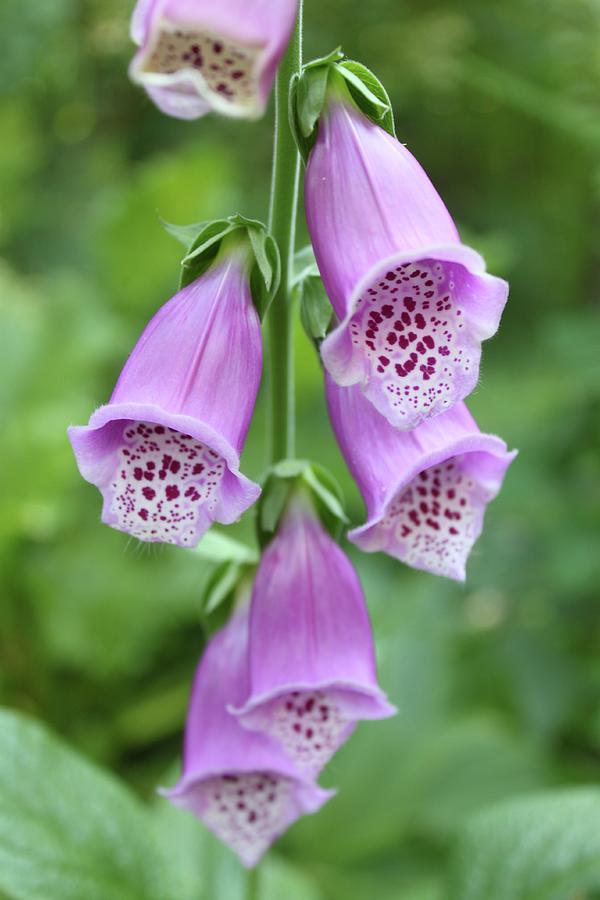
(69, 831)
(315, 307)
(368, 93)
(542, 847)
(218, 547)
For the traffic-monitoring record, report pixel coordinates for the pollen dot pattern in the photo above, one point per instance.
(409, 325)
(436, 519)
(227, 68)
(308, 725)
(246, 811)
(163, 480)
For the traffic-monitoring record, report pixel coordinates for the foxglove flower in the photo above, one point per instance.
(426, 490)
(413, 303)
(239, 783)
(311, 658)
(165, 451)
(201, 55)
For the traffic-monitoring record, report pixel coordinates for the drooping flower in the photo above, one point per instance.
(425, 490)
(165, 451)
(413, 304)
(239, 783)
(201, 55)
(311, 655)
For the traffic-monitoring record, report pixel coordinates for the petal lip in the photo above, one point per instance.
(363, 535)
(313, 795)
(473, 262)
(226, 513)
(377, 705)
(148, 412)
(207, 99)
(308, 797)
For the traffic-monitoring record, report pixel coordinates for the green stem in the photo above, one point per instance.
(252, 882)
(282, 225)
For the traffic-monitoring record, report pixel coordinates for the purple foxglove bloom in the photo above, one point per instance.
(425, 490)
(165, 451)
(239, 783)
(201, 55)
(413, 303)
(312, 660)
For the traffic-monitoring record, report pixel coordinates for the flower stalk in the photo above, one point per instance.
(282, 226)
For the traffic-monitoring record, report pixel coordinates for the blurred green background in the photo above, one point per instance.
(497, 682)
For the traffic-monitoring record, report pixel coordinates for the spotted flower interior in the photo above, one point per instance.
(165, 485)
(411, 326)
(227, 69)
(246, 811)
(308, 725)
(434, 521)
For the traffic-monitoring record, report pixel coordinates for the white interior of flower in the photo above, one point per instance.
(307, 724)
(435, 519)
(163, 479)
(227, 69)
(408, 326)
(246, 811)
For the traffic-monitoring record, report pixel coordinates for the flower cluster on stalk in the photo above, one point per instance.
(399, 318)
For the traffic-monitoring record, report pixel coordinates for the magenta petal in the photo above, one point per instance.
(239, 783)
(198, 55)
(413, 303)
(165, 451)
(426, 491)
(312, 661)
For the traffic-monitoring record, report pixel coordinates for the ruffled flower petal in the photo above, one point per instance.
(312, 662)
(198, 55)
(413, 304)
(165, 452)
(237, 782)
(427, 490)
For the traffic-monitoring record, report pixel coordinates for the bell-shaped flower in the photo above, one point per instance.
(201, 55)
(165, 451)
(239, 783)
(311, 655)
(413, 304)
(425, 490)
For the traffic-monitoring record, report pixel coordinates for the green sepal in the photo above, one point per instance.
(308, 95)
(203, 243)
(368, 93)
(290, 476)
(316, 311)
(304, 264)
(185, 234)
(218, 547)
(224, 589)
(308, 92)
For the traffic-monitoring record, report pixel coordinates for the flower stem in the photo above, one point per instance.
(252, 884)
(282, 225)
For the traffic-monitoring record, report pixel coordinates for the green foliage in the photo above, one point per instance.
(68, 830)
(543, 847)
